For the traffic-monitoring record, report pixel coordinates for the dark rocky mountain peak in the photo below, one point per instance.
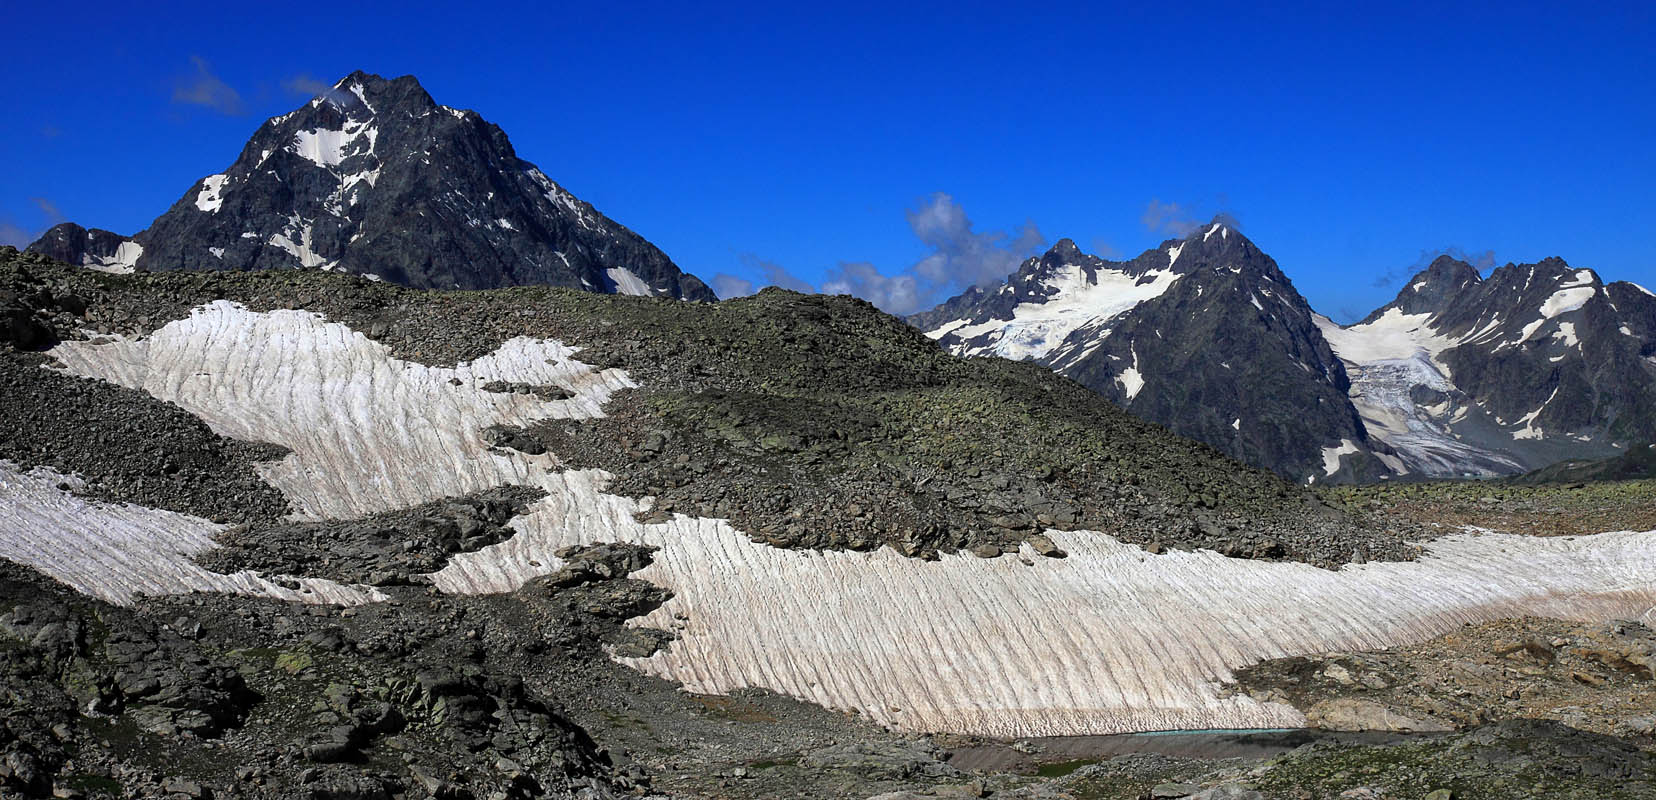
(1434, 288)
(1064, 249)
(1218, 238)
(374, 177)
(1203, 334)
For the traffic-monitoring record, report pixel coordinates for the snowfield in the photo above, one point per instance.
(1037, 328)
(116, 551)
(1109, 639)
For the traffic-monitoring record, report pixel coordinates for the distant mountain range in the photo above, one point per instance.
(1461, 375)
(373, 177)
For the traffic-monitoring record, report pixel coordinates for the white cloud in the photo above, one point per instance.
(960, 257)
(893, 294)
(727, 286)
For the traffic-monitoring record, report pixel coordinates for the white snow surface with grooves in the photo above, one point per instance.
(116, 551)
(1109, 639)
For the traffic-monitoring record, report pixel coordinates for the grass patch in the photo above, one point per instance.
(1059, 769)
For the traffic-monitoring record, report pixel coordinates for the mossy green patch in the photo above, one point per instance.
(293, 662)
(1058, 769)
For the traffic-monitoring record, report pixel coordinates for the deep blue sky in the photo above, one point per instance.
(1346, 140)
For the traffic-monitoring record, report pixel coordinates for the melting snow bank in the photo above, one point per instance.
(1107, 640)
(117, 551)
(1110, 639)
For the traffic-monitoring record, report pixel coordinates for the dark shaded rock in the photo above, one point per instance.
(384, 549)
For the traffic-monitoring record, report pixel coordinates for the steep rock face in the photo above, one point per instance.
(1204, 335)
(374, 177)
(1465, 375)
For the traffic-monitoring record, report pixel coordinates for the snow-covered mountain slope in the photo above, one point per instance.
(1108, 639)
(1203, 334)
(1463, 375)
(1046, 301)
(374, 177)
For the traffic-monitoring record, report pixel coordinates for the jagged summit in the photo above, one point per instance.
(1431, 289)
(1064, 248)
(1459, 375)
(373, 176)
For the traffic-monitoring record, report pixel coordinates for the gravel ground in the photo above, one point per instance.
(1565, 509)
(130, 446)
(1592, 677)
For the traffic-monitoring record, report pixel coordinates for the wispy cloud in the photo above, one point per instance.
(15, 235)
(203, 88)
(961, 256)
(1168, 218)
(48, 209)
(304, 85)
(1483, 261)
(897, 294)
(1103, 249)
(775, 274)
(770, 273)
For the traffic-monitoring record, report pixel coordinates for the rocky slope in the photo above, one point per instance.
(374, 178)
(1638, 463)
(781, 410)
(1590, 677)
